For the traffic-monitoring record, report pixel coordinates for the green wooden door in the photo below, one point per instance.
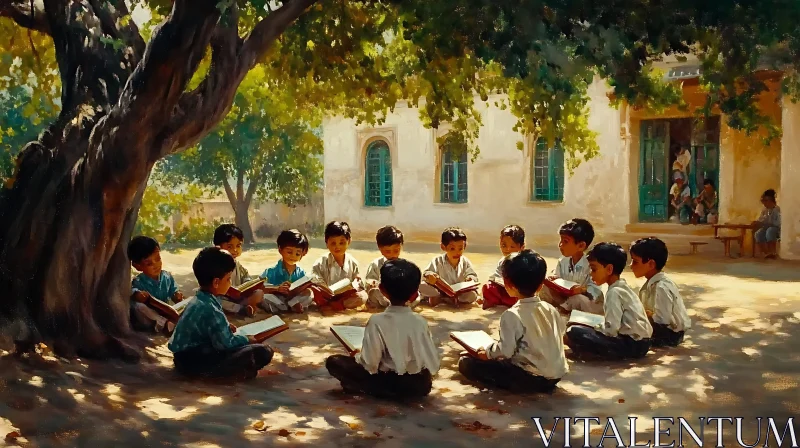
(653, 172)
(705, 165)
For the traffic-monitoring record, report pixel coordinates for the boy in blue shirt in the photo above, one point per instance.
(293, 246)
(145, 255)
(204, 343)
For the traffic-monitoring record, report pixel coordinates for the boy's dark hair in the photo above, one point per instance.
(709, 182)
(388, 236)
(579, 229)
(451, 234)
(227, 232)
(141, 247)
(650, 248)
(293, 238)
(212, 263)
(337, 228)
(609, 254)
(525, 270)
(400, 279)
(515, 232)
(770, 194)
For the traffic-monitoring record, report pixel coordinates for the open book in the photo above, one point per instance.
(472, 341)
(337, 290)
(245, 288)
(300, 285)
(560, 285)
(590, 320)
(263, 329)
(498, 281)
(170, 312)
(456, 288)
(350, 337)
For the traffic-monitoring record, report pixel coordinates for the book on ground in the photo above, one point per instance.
(456, 288)
(590, 320)
(350, 337)
(263, 329)
(245, 288)
(339, 289)
(472, 341)
(165, 309)
(560, 285)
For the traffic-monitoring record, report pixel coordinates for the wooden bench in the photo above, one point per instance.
(726, 241)
(695, 245)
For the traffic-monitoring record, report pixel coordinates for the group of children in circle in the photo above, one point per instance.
(398, 356)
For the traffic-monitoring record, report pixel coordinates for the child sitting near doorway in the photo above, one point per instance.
(706, 210)
(681, 198)
(768, 225)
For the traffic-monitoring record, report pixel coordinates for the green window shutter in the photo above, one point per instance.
(378, 176)
(454, 184)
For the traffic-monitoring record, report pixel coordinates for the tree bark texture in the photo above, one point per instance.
(66, 221)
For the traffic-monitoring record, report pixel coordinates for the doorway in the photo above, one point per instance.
(671, 148)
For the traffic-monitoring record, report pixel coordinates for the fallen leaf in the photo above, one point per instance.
(621, 400)
(377, 433)
(474, 426)
(300, 433)
(260, 426)
(284, 433)
(355, 426)
(444, 390)
(270, 372)
(12, 436)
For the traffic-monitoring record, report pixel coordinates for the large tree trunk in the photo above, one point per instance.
(240, 203)
(66, 221)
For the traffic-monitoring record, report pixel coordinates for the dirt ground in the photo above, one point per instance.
(738, 360)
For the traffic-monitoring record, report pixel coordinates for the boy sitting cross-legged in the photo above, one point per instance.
(575, 237)
(390, 243)
(660, 296)
(204, 343)
(512, 239)
(145, 255)
(293, 246)
(398, 356)
(626, 331)
(452, 266)
(230, 238)
(530, 354)
(336, 266)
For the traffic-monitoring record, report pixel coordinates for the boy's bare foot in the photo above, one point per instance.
(298, 308)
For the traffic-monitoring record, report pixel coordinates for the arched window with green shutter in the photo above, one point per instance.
(454, 177)
(548, 172)
(378, 175)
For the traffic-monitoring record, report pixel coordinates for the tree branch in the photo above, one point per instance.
(111, 19)
(212, 99)
(228, 190)
(20, 12)
(252, 187)
(239, 184)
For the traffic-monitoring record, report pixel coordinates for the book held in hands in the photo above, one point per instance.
(456, 288)
(560, 285)
(300, 285)
(590, 320)
(472, 341)
(350, 337)
(263, 329)
(171, 312)
(340, 289)
(235, 292)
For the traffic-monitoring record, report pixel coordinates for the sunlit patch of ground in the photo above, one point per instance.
(739, 359)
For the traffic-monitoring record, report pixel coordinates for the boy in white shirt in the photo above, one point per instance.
(575, 237)
(335, 266)
(530, 354)
(398, 357)
(626, 331)
(390, 243)
(512, 239)
(660, 296)
(452, 266)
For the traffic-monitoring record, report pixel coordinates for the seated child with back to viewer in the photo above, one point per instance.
(293, 246)
(768, 225)
(204, 343)
(230, 238)
(626, 331)
(660, 296)
(390, 243)
(530, 354)
(512, 239)
(398, 356)
(338, 265)
(575, 237)
(452, 266)
(145, 255)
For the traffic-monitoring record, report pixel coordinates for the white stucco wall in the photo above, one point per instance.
(499, 180)
(790, 181)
